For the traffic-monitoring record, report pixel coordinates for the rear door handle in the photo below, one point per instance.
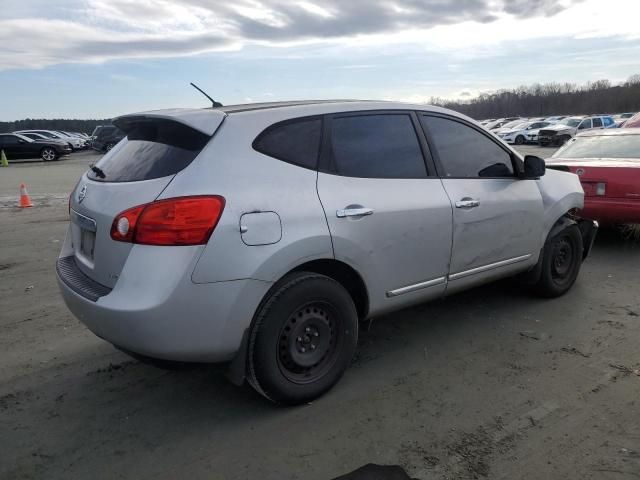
(467, 203)
(354, 212)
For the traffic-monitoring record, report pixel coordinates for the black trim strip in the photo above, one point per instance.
(77, 281)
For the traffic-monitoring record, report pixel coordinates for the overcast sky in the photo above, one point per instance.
(101, 58)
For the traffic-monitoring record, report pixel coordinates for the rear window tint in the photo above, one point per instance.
(296, 142)
(151, 149)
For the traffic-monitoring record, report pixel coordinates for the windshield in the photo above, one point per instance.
(512, 124)
(23, 137)
(606, 146)
(46, 134)
(571, 122)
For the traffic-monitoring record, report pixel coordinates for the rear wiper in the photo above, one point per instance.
(98, 171)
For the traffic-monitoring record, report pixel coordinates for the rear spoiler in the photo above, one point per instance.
(205, 121)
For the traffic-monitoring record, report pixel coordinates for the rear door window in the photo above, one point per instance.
(597, 122)
(293, 141)
(152, 149)
(376, 146)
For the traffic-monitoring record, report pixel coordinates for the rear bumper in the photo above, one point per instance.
(611, 210)
(588, 229)
(157, 311)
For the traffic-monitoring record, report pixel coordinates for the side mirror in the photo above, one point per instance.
(534, 167)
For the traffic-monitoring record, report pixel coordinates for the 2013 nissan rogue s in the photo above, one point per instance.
(261, 234)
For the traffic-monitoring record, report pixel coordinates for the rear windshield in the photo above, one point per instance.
(605, 146)
(151, 149)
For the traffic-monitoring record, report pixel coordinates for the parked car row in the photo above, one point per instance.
(554, 130)
(52, 144)
(19, 146)
(75, 140)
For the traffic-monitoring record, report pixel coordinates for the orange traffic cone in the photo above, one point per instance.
(25, 201)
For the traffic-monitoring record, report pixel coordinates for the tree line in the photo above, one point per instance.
(551, 99)
(66, 125)
(536, 100)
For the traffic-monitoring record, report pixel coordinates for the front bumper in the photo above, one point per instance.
(547, 139)
(156, 310)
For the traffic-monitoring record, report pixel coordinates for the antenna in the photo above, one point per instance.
(213, 102)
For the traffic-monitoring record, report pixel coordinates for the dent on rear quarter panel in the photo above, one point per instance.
(561, 192)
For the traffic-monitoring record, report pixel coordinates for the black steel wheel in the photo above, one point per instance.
(562, 258)
(309, 343)
(303, 338)
(561, 262)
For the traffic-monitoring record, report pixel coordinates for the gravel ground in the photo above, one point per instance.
(491, 383)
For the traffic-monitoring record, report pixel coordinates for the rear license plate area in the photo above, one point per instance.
(87, 243)
(87, 229)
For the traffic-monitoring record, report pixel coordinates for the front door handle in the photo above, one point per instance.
(354, 212)
(467, 203)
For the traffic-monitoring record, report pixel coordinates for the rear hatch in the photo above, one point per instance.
(608, 178)
(157, 146)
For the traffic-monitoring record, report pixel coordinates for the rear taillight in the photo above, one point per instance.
(174, 221)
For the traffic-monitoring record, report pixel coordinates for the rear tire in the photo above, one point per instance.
(561, 262)
(109, 146)
(303, 339)
(48, 154)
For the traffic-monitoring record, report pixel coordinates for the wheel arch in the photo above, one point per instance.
(345, 275)
(560, 224)
(339, 271)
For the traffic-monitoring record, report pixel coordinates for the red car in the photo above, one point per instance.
(633, 122)
(608, 164)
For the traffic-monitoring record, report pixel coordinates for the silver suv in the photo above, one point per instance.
(260, 234)
(560, 133)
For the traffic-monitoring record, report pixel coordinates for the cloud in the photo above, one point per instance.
(85, 31)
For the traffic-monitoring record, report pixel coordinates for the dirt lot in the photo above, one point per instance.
(491, 383)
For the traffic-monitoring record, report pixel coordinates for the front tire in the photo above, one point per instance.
(303, 339)
(519, 140)
(48, 154)
(561, 262)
